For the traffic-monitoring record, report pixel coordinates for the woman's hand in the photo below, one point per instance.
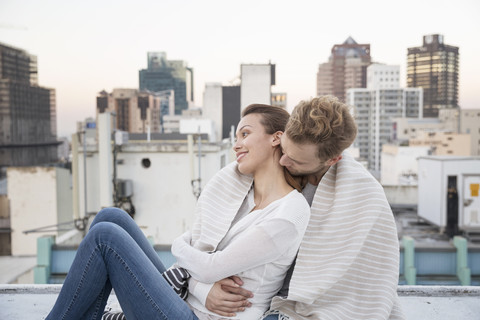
(227, 297)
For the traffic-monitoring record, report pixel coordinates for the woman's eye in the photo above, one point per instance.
(244, 134)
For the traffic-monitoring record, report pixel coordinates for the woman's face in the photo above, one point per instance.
(253, 147)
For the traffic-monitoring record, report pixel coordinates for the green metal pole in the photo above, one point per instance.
(41, 273)
(463, 271)
(409, 269)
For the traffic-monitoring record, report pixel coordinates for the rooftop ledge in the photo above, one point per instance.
(418, 302)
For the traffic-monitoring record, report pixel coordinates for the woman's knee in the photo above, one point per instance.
(105, 232)
(111, 214)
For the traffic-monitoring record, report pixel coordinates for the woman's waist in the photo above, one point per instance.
(253, 312)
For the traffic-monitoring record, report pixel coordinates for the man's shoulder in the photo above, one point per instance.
(349, 166)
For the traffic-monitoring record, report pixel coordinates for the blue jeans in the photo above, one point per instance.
(115, 253)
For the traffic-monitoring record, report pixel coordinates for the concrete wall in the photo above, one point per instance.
(162, 193)
(399, 164)
(35, 194)
(396, 195)
(470, 124)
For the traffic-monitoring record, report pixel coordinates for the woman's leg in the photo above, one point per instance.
(109, 256)
(124, 220)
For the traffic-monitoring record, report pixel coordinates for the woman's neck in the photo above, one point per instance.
(270, 184)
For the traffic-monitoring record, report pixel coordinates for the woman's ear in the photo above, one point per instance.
(276, 138)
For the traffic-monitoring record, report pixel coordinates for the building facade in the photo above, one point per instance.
(383, 76)
(224, 104)
(163, 74)
(405, 129)
(399, 164)
(279, 99)
(470, 124)
(137, 111)
(256, 83)
(374, 111)
(435, 68)
(376, 108)
(346, 68)
(27, 112)
(443, 143)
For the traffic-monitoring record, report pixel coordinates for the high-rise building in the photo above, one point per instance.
(137, 111)
(27, 112)
(256, 83)
(224, 104)
(346, 68)
(375, 109)
(434, 67)
(163, 74)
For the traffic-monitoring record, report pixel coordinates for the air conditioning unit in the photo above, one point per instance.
(124, 188)
(448, 191)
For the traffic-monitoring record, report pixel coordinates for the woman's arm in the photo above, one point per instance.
(256, 246)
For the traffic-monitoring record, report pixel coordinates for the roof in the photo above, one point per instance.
(418, 302)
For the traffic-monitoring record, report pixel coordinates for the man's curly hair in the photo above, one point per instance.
(324, 121)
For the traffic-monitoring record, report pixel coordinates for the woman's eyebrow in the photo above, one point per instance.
(247, 125)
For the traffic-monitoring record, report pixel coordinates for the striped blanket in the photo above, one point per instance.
(348, 262)
(347, 265)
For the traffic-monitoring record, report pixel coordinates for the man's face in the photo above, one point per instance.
(300, 159)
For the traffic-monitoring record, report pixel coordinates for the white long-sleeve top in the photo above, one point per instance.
(259, 248)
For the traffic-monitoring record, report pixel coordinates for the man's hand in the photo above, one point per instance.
(227, 297)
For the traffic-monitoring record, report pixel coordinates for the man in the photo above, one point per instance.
(347, 264)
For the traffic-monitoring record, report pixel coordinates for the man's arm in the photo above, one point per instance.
(227, 297)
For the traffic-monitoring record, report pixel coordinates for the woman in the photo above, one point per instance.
(258, 241)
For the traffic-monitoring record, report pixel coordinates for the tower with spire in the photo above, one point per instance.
(346, 68)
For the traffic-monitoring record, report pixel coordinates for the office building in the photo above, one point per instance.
(434, 67)
(27, 112)
(137, 111)
(443, 143)
(224, 104)
(376, 107)
(346, 68)
(405, 129)
(256, 83)
(382, 76)
(163, 74)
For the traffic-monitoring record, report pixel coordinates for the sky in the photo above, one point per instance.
(84, 47)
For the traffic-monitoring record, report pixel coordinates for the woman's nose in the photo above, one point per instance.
(236, 146)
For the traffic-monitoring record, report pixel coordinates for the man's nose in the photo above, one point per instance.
(284, 160)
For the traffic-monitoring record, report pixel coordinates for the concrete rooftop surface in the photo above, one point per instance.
(12, 267)
(20, 302)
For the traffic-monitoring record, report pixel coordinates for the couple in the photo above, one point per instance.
(256, 250)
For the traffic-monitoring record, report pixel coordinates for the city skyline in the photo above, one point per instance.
(84, 48)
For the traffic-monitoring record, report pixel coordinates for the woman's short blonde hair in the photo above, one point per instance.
(324, 121)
